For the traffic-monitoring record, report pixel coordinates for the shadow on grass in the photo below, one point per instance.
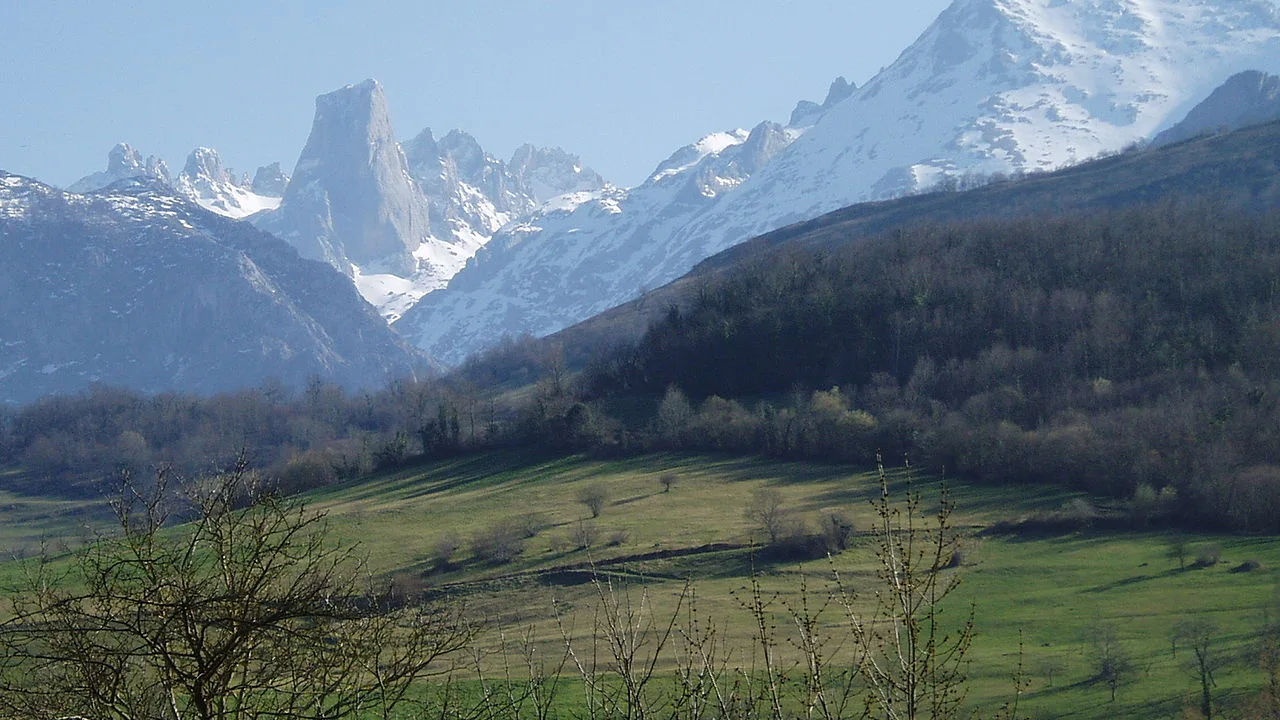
(1173, 572)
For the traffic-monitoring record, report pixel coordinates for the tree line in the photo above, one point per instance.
(1122, 352)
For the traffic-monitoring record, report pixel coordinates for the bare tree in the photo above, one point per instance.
(1199, 635)
(247, 611)
(1178, 550)
(766, 510)
(594, 496)
(1115, 666)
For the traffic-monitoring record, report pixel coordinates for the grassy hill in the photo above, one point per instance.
(1039, 599)
(1053, 592)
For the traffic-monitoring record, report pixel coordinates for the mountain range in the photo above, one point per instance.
(991, 87)
(457, 248)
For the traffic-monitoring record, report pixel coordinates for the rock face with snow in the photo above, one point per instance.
(123, 163)
(992, 86)
(586, 249)
(137, 286)
(203, 179)
(1247, 98)
(213, 187)
(351, 200)
(270, 181)
(540, 174)
(472, 194)
(400, 220)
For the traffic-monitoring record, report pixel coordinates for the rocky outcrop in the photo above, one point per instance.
(123, 163)
(351, 200)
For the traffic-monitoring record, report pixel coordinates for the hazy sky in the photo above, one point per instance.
(622, 84)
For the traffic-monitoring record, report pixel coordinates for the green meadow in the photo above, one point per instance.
(1039, 602)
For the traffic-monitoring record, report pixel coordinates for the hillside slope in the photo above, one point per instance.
(137, 286)
(1241, 167)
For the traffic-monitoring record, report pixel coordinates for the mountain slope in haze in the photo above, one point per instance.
(1246, 98)
(136, 286)
(992, 86)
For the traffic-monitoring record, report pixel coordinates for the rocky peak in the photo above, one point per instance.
(474, 165)
(839, 90)
(204, 162)
(123, 162)
(123, 159)
(351, 198)
(808, 112)
(545, 173)
(270, 180)
(422, 151)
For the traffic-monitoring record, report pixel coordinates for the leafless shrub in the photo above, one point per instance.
(498, 544)
(594, 496)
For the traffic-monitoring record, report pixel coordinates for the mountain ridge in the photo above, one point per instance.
(990, 87)
(136, 285)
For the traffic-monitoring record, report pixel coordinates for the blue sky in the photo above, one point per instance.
(622, 84)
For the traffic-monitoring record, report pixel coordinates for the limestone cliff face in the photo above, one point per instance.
(351, 199)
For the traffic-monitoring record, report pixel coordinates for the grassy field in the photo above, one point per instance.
(1048, 595)
(1055, 593)
(29, 522)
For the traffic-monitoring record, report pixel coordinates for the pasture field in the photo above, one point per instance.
(1039, 601)
(1051, 595)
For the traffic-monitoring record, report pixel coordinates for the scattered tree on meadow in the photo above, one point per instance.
(1115, 667)
(594, 497)
(1201, 636)
(766, 511)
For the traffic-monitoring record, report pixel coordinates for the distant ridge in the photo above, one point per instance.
(137, 286)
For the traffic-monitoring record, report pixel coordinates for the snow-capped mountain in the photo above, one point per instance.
(214, 188)
(123, 163)
(203, 179)
(992, 86)
(401, 221)
(1247, 98)
(586, 249)
(137, 286)
(351, 201)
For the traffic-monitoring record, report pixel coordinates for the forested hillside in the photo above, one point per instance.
(1124, 352)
